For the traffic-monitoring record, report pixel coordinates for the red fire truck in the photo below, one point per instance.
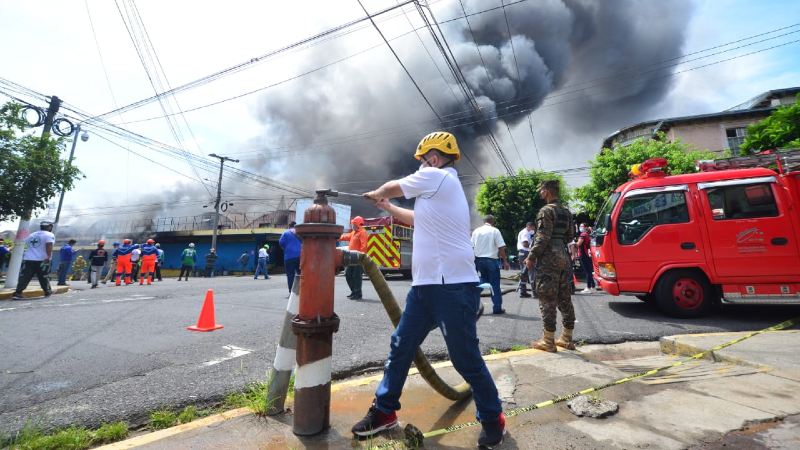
(727, 234)
(389, 244)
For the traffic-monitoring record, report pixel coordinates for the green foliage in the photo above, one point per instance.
(253, 397)
(188, 414)
(72, 438)
(518, 347)
(162, 419)
(610, 168)
(514, 200)
(110, 432)
(780, 130)
(31, 170)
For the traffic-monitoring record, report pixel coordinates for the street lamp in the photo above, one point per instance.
(84, 137)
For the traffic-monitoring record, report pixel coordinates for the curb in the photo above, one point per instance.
(154, 436)
(6, 294)
(672, 345)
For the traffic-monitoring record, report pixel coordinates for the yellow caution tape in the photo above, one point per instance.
(517, 411)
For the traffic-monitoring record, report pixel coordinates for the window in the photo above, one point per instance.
(743, 201)
(735, 139)
(640, 213)
(604, 218)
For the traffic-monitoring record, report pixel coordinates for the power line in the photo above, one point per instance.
(462, 82)
(400, 61)
(241, 66)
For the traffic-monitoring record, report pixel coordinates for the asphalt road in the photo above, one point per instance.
(117, 353)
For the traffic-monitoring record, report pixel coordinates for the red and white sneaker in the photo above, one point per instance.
(492, 432)
(374, 422)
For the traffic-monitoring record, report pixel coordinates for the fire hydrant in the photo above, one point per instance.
(316, 322)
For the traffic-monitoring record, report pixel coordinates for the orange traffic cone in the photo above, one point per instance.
(206, 320)
(574, 279)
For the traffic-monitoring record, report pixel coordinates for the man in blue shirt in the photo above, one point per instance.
(65, 257)
(3, 252)
(291, 244)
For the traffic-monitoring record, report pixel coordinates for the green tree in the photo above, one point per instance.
(514, 200)
(610, 168)
(31, 170)
(780, 130)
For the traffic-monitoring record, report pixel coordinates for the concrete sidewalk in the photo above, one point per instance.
(31, 292)
(692, 405)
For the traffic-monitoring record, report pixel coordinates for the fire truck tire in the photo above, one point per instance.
(684, 293)
(645, 298)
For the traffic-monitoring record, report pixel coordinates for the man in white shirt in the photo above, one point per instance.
(136, 255)
(490, 253)
(36, 259)
(444, 291)
(524, 241)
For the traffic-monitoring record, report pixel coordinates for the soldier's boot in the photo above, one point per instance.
(565, 341)
(546, 343)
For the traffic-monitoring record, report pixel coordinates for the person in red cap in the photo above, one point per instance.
(124, 264)
(358, 243)
(149, 256)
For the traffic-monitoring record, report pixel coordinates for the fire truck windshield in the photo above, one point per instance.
(603, 224)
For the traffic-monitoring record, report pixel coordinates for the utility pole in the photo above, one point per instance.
(84, 137)
(222, 160)
(22, 232)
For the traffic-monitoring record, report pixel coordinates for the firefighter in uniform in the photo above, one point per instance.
(554, 229)
(124, 263)
(149, 257)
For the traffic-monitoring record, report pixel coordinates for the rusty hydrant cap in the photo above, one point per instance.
(320, 211)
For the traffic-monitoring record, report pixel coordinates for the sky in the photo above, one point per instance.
(341, 112)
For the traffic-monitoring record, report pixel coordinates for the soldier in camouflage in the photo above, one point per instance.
(554, 229)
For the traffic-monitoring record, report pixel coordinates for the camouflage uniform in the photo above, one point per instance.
(554, 230)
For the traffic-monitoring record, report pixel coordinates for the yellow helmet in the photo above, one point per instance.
(438, 140)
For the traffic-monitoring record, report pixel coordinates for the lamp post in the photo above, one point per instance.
(84, 137)
(214, 232)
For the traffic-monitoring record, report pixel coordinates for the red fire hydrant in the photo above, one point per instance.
(316, 322)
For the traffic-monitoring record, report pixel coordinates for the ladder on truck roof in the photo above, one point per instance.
(784, 161)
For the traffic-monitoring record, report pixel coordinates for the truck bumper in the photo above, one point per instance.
(607, 285)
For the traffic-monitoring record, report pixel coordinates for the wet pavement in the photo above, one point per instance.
(698, 404)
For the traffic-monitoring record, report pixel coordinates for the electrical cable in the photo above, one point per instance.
(250, 62)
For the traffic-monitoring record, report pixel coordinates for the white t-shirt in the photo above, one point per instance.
(262, 252)
(36, 245)
(525, 235)
(486, 239)
(442, 250)
(135, 253)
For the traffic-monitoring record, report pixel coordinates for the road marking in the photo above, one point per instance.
(234, 352)
(37, 305)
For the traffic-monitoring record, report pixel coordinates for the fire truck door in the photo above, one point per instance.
(653, 227)
(750, 228)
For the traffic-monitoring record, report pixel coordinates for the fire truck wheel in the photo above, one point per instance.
(684, 293)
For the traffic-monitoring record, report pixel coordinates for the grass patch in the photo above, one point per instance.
(493, 351)
(253, 397)
(518, 347)
(188, 414)
(110, 432)
(72, 438)
(162, 419)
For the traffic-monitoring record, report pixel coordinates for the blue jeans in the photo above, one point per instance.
(453, 308)
(292, 267)
(261, 268)
(489, 270)
(586, 265)
(63, 270)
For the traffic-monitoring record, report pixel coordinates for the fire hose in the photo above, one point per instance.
(454, 393)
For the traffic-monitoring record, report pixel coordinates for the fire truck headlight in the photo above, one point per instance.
(607, 271)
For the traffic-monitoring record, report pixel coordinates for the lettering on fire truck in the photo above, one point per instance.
(727, 234)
